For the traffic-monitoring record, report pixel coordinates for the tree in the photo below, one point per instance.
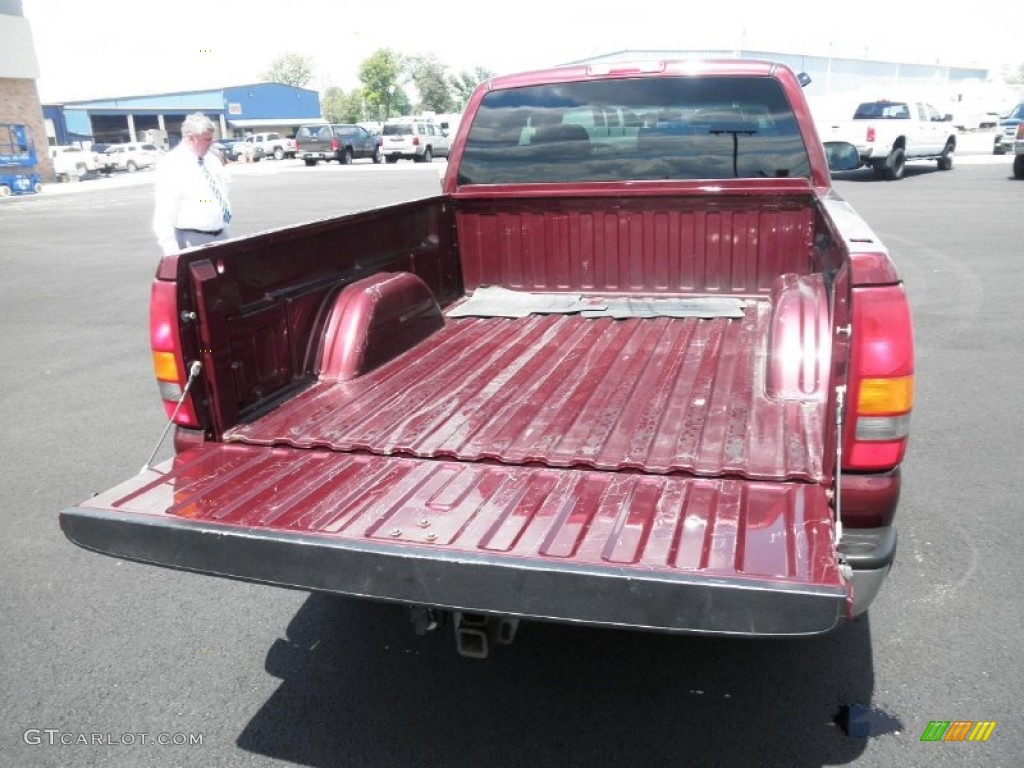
(428, 75)
(290, 69)
(340, 107)
(380, 74)
(464, 83)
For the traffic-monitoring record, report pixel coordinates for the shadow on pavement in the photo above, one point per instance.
(359, 688)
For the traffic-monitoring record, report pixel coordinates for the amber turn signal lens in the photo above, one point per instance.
(165, 366)
(886, 396)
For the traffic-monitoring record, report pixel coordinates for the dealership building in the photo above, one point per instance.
(235, 110)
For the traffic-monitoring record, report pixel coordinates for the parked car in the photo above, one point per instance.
(343, 142)
(414, 139)
(1008, 130)
(131, 157)
(228, 149)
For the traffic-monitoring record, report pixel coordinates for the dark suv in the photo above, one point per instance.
(343, 142)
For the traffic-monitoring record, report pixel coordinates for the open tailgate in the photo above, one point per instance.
(607, 548)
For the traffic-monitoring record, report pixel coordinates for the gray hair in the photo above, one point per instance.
(197, 124)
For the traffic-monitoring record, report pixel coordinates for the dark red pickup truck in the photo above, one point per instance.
(637, 365)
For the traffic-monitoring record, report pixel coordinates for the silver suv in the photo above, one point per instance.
(413, 139)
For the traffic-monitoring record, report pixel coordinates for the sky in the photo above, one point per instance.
(119, 48)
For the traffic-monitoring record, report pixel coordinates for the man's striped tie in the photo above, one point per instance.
(224, 207)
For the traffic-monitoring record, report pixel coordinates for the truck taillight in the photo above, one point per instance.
(882, 379)
(335, 145)
(415, 141)
(165, 343)
(1020, 131)
(871, 133)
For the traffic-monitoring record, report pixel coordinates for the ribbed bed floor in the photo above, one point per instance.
(657, 395)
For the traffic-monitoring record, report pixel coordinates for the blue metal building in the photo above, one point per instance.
(236, 110)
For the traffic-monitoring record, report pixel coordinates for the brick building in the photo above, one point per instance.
(19, 70)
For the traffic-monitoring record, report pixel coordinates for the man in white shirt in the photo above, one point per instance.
(192, 205)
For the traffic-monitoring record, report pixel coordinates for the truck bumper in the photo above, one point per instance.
(650, 552)
(1003, 142)
(476, 583)
(870, 553)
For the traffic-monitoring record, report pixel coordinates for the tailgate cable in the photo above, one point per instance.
(193, 374)
(844, 566)
(837, 496)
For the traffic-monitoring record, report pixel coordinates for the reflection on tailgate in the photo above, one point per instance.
(611, 548)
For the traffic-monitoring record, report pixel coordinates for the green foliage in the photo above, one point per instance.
(463, 84)
(428, 75)
(340, 107)
(399, 105)
(290, 69)
(380, 74)
(382, 95)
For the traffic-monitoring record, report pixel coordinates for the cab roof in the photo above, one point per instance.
(642, 68)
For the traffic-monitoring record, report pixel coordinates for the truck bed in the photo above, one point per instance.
(653, 395)
(657, 472)
(639, 472)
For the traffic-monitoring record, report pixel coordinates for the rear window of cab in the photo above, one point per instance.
(313, 132)
(635, 129)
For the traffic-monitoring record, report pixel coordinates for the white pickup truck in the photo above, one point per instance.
(71, 163)
(270, 145)
(889, 133)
